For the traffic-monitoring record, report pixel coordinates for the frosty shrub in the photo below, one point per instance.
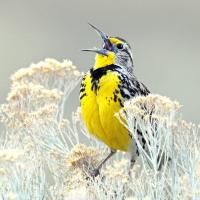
(170, 161)
(44, 156)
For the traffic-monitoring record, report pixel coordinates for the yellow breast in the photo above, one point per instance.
(98, 107)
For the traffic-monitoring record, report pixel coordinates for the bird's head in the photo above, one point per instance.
(115, 50)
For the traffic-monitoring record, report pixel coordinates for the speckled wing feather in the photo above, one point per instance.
(131, 87)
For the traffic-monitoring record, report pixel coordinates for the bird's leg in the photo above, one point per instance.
(132, 162)
(163, 158)
(95, 172)
(134, 155)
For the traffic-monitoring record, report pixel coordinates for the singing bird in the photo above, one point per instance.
(104, 89)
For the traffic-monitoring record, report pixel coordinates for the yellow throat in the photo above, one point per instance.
(103, 61)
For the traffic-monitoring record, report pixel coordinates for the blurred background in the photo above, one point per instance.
(164, 35)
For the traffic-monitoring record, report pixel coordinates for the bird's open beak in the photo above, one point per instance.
(99, 51)
(107, 46)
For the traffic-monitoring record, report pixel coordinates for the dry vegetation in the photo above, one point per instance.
(43, 155)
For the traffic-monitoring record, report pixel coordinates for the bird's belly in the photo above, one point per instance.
(90, 114)
(98, 112)
(109, 104)
(90, 111)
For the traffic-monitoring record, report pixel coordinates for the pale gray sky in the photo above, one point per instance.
(164, 35)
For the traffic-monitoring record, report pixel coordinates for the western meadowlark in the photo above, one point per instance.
(104, 88)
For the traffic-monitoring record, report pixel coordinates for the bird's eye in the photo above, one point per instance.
(120, 46)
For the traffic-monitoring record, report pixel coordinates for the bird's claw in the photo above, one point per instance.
(94, 173)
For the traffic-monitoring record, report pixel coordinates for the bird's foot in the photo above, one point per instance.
(93, 173)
